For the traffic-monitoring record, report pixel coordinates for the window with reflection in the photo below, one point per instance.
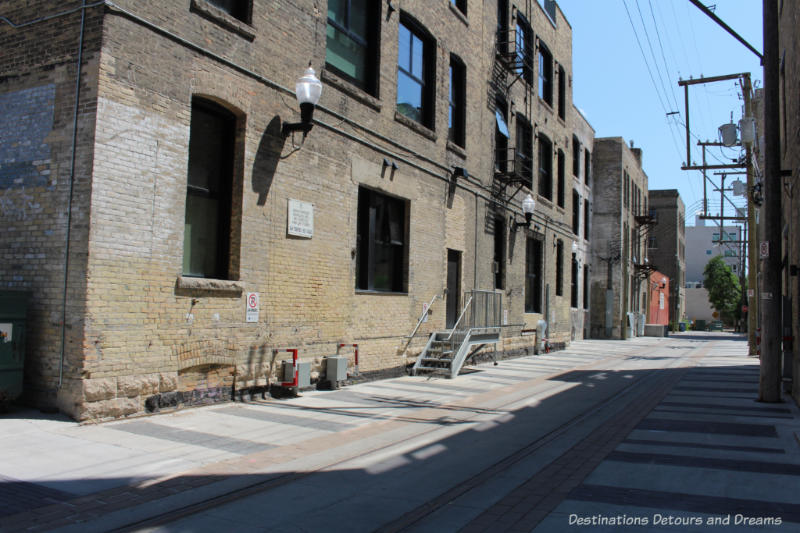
(415, 68)
(352, 47)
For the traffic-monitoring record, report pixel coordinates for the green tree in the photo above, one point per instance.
(724, 291)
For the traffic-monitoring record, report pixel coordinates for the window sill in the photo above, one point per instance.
(547, 202)
(414, 125)
(456, 149)
(350, 90)
(218, 16)
(547, 106)
(366, 292)
(211, 287)
(457, 12)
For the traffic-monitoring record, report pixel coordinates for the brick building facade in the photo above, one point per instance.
(620, 228)
(144, 208)
(666, 247)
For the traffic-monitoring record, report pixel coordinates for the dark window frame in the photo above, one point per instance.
(562, 93)
(576, 212)
(559, 267)
(457, 131)
(523, 37)
(461, 5)
(587, 166)
(368, 42)
(524, 150)
(220, 192)
(500, 246)
(586, 286)
(562, 179)
(376, 208)
(587, 209)
(501, 139)
(533, 274)
(427, 83)
(545, 57)
(576, 157)
(545, 167)
(238, 9)
(573, 300)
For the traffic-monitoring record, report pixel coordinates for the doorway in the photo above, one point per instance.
(453, 303)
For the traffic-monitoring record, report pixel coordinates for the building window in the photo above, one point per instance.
(500, 136)
(562, 93)
(524, 154)
(524, 43)
(533, 277)
(352, 48)
(574, 283)
(207, 229)
(239, 9)
(499, 265)
(545, 167)
(576, 157)
(626, 189)
(587, 166)
(559, 267)
(545, 74)
(562, 178)
(652, 243)
(381, 242)
(586, 286)
(415, 73)
(456, 119)
(461, 5)
(576, 212)
(587, 208)
(502, 26)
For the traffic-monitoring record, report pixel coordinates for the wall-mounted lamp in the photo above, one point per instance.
(308, 89)
(528, 204)
(574, 247)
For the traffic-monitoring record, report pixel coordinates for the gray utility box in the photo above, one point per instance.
(303, 373)
(336, 368)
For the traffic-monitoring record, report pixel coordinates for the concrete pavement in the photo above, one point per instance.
(593, 437)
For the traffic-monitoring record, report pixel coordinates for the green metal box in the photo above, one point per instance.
(13, 308)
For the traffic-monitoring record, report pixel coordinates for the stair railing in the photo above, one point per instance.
(419, 323)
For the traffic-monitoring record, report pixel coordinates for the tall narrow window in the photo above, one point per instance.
(562, 93)
(456, 118)
(381, 242)
(499, 264)
(524, 151)
(562, 178)
(574, 284)
(239, 9)
(587, 208)
(351, 49)
(500, 136)
(586, 286)
(576, 212)
(587, 167)
(502, 26)
(533, 275)
(545, 167)
(626, 188)
(415, 73)
(524, 49)
(206, 238)
(559, 267)
(576, 157)
(545, 74)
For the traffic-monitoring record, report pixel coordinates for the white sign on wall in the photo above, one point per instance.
(300, 221)
(251, 312)
(661, 300)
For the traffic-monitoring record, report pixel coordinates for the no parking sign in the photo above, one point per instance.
(251, 314)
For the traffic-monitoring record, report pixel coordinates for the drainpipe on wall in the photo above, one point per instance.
(71, 190)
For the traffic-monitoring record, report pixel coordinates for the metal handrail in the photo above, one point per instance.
(463, 312)
(419, 323)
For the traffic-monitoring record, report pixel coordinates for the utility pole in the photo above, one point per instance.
(769, 389)
(752, 264)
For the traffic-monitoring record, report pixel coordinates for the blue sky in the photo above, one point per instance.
(613, 87)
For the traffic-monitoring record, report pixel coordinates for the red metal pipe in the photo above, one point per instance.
(355, 346)
(295, 367)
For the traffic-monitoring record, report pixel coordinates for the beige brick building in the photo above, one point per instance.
(144, 209)
(621, 227)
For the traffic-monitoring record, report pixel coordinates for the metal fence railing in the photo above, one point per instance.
(485, 310)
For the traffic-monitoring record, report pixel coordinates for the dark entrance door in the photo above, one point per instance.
(453, 287)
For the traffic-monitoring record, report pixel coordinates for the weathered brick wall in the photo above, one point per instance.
(148, 337)
(668, 255)
(37, 101)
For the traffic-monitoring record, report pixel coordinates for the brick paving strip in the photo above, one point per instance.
(529, 503)
(270, 468)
